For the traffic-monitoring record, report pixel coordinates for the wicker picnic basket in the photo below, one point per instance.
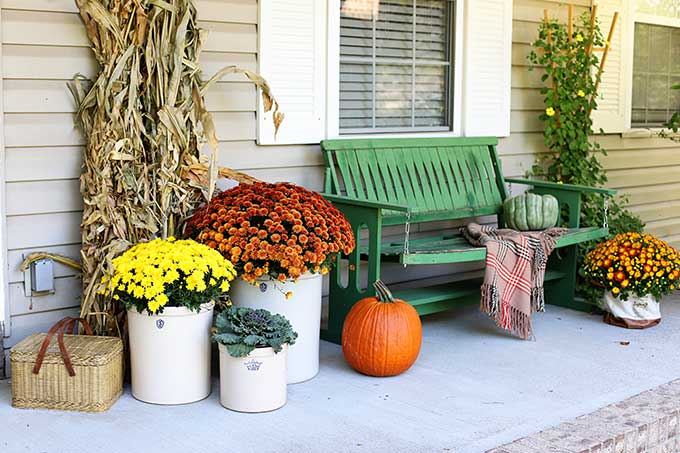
(67, 372)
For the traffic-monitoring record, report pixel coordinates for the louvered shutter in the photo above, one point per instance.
(487, 66)
(613, 102)
(292, 42)
(395, 65)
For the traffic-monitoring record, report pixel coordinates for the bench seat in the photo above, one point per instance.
(453, 248)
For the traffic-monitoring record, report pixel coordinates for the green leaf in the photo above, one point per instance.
(226, 338)
(255, 340)
(239, 350)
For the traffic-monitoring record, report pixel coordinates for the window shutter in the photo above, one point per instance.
(487, 66)
(292, 41)
(613, 103)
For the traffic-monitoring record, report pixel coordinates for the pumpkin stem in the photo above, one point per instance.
(382, 292)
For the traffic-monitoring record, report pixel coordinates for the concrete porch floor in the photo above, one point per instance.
(472, 389)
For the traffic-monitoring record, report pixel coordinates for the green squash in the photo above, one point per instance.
(531, 212)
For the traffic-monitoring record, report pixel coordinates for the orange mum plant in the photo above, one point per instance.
(279, 230)
(634, 264)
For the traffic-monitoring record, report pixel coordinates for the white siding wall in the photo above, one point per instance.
(44, 45)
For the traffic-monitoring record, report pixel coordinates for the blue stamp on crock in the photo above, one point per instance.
(253, 365)
(160, 323)
(263, 287)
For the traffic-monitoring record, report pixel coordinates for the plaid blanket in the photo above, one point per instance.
(515, 271)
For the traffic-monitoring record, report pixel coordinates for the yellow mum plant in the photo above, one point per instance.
(168, 273)
(634, 264)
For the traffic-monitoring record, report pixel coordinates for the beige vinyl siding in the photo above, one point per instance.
(44, 46)
(645, 169)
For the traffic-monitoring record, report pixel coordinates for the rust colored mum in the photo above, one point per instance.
(634, 263)
(280, 230)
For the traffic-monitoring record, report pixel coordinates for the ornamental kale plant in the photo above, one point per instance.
(242, 330)
(571, 74)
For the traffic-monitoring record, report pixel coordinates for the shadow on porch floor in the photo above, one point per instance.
(473, 388)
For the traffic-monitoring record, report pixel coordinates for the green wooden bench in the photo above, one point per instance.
(383, 182)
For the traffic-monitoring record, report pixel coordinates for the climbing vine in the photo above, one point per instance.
(673, 123)
(571, 73)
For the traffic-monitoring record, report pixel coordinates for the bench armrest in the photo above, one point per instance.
(363, 215)
(558, 186)
(365, 203)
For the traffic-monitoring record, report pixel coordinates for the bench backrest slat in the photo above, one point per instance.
(440, 178)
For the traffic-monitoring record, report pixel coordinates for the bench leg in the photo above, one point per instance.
(562, 292)
(341, 298)
(340, 302)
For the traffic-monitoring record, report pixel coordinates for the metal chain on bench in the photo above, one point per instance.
(605, 223)
(407, 234)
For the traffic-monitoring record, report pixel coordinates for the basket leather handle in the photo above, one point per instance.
(59, 328)
(46, 343)
(73, 326)
(71, 323)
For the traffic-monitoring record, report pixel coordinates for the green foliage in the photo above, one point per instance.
(242, 330)
(570, 73)
(673, 124)
(569, 97)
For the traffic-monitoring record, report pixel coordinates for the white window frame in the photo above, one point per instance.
(333, 80)
(629, 34)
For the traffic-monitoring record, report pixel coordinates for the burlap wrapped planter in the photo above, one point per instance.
(634, 313)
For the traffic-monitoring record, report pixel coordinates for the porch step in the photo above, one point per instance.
(646, 423)
(433, 299)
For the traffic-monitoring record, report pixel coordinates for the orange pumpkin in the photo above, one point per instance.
(381, 335)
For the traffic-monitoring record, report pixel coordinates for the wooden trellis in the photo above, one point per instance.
(605, 50)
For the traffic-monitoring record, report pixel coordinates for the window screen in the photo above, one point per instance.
(656, 67)
(662, 8)
(395, 65)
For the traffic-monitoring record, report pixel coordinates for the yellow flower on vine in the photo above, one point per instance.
(581, 93)
(550, 111)
(579, 37)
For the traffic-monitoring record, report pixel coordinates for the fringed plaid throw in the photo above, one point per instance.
(515, 270)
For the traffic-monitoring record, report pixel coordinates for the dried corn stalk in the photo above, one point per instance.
(145, 122)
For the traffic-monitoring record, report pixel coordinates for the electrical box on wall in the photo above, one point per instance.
(42, 276)
(39, 278)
